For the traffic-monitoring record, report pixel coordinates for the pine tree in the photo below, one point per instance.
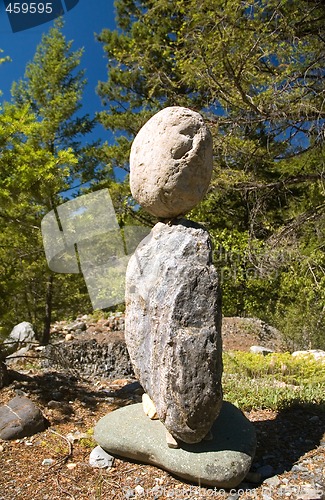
(255, 69)
(43, 154)
(53, 88)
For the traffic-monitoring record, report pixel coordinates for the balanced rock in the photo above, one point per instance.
(173, 327)
(171, 162)
(20, 418)
(316, 354)
(222, 462)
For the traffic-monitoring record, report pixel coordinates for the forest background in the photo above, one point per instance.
(255, 70)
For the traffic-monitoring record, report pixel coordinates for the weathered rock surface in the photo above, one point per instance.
(173, 327)
(100, 459)
(20, 418)
(148, 407)
(102, 355)
(259, 349)
(19, 340)
(222, 462)
(171, 162)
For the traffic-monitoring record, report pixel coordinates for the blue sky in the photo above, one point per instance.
(81, 22)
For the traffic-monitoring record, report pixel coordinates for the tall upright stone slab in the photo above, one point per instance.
(173, 327)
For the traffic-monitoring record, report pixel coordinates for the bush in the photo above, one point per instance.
(275, 381)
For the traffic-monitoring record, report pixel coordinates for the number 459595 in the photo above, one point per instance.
(30, 8)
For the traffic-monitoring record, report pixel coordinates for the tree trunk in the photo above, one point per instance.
(48, 311)
(3, 374)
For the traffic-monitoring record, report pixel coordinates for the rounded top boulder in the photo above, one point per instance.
(171, 162)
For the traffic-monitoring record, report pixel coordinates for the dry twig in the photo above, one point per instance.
(66, 457)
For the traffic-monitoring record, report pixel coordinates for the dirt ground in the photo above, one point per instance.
(54, 464)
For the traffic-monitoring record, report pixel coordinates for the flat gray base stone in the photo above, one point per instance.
(222, 462)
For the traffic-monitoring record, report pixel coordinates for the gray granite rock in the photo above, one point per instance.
(222, 462)
(173, 327)
(20, 418)
(171, 162)
(258, 349)
(100, 459)
(19, 340)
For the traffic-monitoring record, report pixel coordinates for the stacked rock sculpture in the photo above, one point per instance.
(173, 306)
(173, 309)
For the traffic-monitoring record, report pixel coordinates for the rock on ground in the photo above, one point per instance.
(171, 162)
(103, 355)
(21, 337)
(100, 459)
(316, 354)
(173, 327)
(222, 462)
(20, 418)
(258, 349)
(241, 333)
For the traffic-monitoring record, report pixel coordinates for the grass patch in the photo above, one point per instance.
(276, 381)
(89, 441)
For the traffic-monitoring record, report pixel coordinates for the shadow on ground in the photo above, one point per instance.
(63, 387)
(281, 442)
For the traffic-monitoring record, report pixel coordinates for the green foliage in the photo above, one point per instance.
(41, 156)
(53, 88)
(253, 66)
(246, 291)
(275, 381)
(302, 288)
(27, 167)
(89, 441)
(3, 59)
(255, 69)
